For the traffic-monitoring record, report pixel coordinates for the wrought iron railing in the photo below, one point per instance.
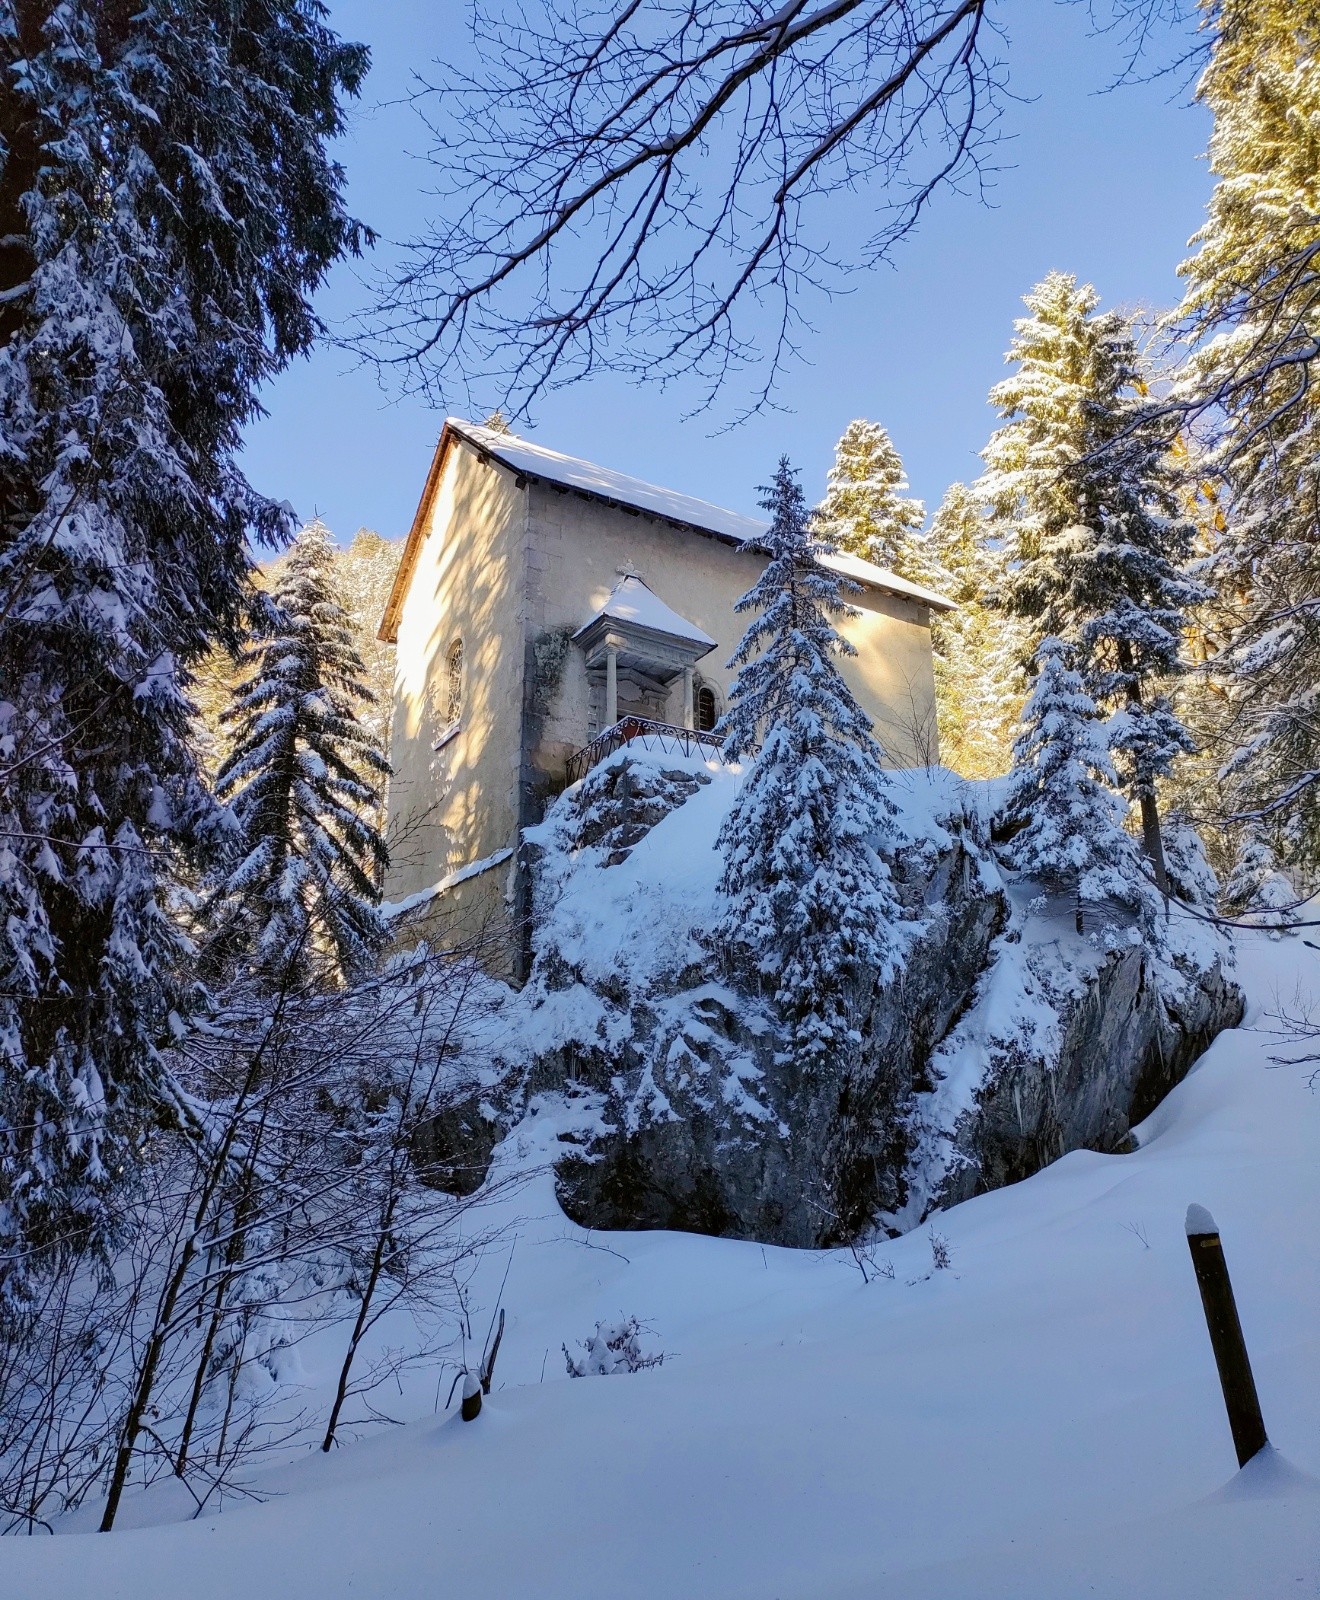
(627, 729)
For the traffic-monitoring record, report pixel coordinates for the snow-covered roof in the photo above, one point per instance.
(617, 488)
(631, 600)
(867, 573)
(535, 461)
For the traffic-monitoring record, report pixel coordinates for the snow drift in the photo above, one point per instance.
(1040, 1421)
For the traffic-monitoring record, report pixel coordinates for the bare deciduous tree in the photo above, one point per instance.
(638, 184)
(619, 181)
(295, 1195)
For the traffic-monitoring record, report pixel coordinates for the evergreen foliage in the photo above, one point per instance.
(364, 575)
(1192, 878)
(1071, 822)
(980, 680)
(865, 512)
(1257, 882)
(167, 207)
(1197, 786)
(1252, 312)
(809, 905)
(1083, 472)
(962, 541)
(302, 883)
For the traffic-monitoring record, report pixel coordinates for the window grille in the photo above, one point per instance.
(455, 701)
(708, 713)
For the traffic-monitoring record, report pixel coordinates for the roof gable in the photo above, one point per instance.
(633, 601)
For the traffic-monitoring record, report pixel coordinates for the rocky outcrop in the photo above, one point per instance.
(715, 1130)
(1123, 1045)
(452, 1150)
(1004, 1043)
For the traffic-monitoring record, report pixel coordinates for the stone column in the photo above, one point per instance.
(689, 713)
(611, 685)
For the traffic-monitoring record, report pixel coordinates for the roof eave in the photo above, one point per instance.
(603, 622)
(388, 632)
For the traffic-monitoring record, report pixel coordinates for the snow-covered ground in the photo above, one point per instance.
(1038, 1421)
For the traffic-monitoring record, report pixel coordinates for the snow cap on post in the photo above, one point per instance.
(1199, 1221)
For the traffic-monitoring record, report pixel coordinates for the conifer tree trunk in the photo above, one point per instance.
(1153, 840)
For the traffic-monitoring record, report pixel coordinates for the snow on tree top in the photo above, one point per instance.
(632, 601)
(534, 460)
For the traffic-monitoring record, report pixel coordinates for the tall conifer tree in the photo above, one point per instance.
(1082, 472)
(809, 906)
(167, 207)
(302, 779)
(1252, 311)
(1071, 820)
(980, 678)
(865, 511)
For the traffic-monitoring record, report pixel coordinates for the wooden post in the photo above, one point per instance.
(471, 1406)
(1226, 1339)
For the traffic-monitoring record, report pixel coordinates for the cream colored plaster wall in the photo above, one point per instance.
(893, 674)
(514, 572)
(459, 804)
(579, 548)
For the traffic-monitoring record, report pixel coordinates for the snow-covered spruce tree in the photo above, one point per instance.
(300, 891)
(980, 678)
(1257, 882)
(808, 903)
(167, 207)
(1071, 832)
(364, 575)
(865, 511)
(1083, 473)
(1252, 311)
(1197, 786)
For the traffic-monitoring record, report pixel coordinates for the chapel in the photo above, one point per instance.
(547, 610)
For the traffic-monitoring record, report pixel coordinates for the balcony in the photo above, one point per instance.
(684, 741)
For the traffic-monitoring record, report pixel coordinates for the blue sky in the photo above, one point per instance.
(1106, 185)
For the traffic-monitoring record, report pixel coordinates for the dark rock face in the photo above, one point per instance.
(709, 1127)
(452, 1150)
(715, 1132)
(1123, 1048)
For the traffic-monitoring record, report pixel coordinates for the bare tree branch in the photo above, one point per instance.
(637, 187)
(638, 184)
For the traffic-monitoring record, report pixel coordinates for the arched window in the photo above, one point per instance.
(707, 711)
(454, 668)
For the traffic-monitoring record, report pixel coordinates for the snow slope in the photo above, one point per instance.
(1039, 1421)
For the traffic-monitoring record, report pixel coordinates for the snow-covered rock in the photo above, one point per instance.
(1006, 1041)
